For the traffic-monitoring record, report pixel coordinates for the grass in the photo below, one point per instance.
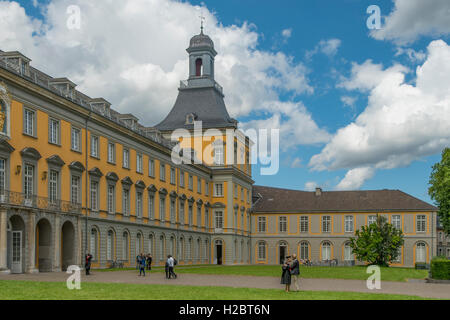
(350, 273)
(29, 290)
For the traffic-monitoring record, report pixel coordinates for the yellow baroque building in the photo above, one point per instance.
(78, 177)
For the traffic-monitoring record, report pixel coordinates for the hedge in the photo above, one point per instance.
(440, 268)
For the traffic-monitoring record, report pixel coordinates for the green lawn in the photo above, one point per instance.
(355, 273)
(27, 290)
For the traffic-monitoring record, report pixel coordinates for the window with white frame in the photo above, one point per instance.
(349, 225)
(199, 185)
(421, 223)
(181, 179)
(261, 250)
(94, 243)
(262, 224)
(218, 190)
(398, 259)
(218, 155)
(348, 252)
(126, 159)
(235, 218)
(326, 224)
(219, 219)
(139, 203)
(199, 216)
(371, 219)
(151, 206)
(191, 182)
(182, 213)
(190, 216)
(94, 147)
(139, 168)
(111, 199)
(125, 246)
(29, 120)
(162, 172)
(172, 211)
(54, 131)
(304, 224)
(162, 208)
(421, 250)
(111, 152)
(206, 217)
(75, 189)
(326, 251)
(126, 201)
(172, 176)
(397, 222)
(53, 182)
(94, 195)
(28, 180)
(109, 246)
(151, 168)
(76, 139)
(304, 250)
(283, 224)
(162, 246)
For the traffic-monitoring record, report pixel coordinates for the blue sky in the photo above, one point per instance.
(308, 26)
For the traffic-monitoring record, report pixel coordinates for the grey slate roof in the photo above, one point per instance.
(282, 200)
(206, 103)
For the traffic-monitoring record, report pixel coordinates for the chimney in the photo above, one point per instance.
(318, 192)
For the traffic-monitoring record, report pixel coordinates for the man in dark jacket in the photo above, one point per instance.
(87, 263)
(295, 271)
(142, 261)
(149, 262)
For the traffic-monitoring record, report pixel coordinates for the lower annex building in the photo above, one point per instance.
(78, 177)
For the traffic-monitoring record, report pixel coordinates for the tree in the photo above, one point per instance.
(440, 189)
(378, 243)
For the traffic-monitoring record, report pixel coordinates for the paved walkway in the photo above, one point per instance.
(406, 288)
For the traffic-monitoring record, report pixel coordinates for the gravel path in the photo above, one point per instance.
(407, 288)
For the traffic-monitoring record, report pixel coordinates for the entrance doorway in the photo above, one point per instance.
(283, 252)
(219, 252)
(67, 245)
(16, 245)
(43, 246)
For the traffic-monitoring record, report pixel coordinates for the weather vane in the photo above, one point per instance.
(202, 19)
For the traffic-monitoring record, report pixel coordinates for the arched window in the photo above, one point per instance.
(189, 249)
(125, 246)
(150, 244)
(348, 252)
(172, 246)
(94, 244)
(304, 250)
(326, 251)
(421, 252)
(198, 67)
(110, 246)
(161, 248)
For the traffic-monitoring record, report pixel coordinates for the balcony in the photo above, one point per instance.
(16, 199)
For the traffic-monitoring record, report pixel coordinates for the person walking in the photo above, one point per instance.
(149, 262)
(295, 271)
(138, 257)
(166, 268)
(171, 265)
(286, 274)
(87, 263)
(142, 262)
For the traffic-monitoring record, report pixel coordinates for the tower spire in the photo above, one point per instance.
(202, 19)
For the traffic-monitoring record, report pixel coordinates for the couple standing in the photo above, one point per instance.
(291, 269)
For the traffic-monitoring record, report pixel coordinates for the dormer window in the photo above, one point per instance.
(190, 118)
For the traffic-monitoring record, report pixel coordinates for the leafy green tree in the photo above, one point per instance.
(378, 243)
(440, 188)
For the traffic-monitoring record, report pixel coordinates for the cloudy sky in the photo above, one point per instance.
(356, 108)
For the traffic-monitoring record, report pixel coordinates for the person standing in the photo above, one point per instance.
(87, 263)
(295, 271)
(286, 274)
(149, 262)
(142, 264)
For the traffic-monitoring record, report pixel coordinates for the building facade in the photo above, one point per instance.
(443, 240)
(78, 177)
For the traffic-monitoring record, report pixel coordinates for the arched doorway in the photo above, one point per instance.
(44, 246)
(16, 245)
(283, 250)
(67, 245)
(219, 252)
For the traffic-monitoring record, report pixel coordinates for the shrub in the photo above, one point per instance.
(440, 268)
